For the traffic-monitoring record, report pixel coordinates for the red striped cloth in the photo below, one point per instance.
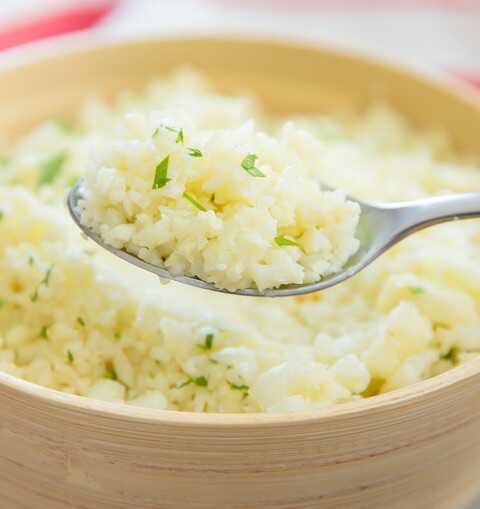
(70, 19)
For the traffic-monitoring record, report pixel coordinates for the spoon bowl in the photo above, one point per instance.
(381, 225)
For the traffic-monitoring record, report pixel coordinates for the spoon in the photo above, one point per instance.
(381, 226)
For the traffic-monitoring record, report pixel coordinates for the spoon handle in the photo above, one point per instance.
(416, 215)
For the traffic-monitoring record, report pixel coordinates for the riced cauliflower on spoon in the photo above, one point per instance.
(231, 205)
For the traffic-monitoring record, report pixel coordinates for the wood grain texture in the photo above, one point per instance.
(416, 448)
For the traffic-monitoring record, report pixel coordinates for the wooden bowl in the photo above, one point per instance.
(414, 448)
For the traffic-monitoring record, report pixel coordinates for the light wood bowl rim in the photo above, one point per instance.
(83, 43)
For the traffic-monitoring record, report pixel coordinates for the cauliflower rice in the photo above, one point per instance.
(229, 204)
(76, 319)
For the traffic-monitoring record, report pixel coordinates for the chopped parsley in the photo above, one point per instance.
(155, 132)
(416, 290)
(179, 132)
(111, 374)
(248, 164)
(44, 333)
(81, 321)
(51, 169)
(283, 241)
(194, 202)
(2, 302)
(44, 281)
(239, 387)
(31, 260)
(208, 343)
(70, 357)
(117, 335)
(450, 355)
(161, 172)
(179, 138)
(2, 213)
(201, 381)
(194, 152)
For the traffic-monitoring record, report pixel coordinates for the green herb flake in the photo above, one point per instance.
(4, 160)
(117, 335)
(70, 357)
(240, 387)
(416, 290)
(155, 132)
(451, 355)
(31, 260)
(184, 384)
(201, 381)
(194, 202)
(207, 345)
(213, 361)
(179, 132)
(46, 279)
(248, 164)
(44, 333)
(194, 152)
(2, 213)
(51, 169)
(161, 172)
(111, 374)
(283, 241)
(2, 302)
(81, 321)
(179, 138)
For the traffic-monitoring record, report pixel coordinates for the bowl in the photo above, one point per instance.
(417, 447)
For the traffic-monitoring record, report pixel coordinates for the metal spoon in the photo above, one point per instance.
(381, 226)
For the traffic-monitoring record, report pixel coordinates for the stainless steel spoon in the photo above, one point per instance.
(381, 226)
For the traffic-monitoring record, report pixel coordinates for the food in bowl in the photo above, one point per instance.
(76, 320)
(225, 202)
